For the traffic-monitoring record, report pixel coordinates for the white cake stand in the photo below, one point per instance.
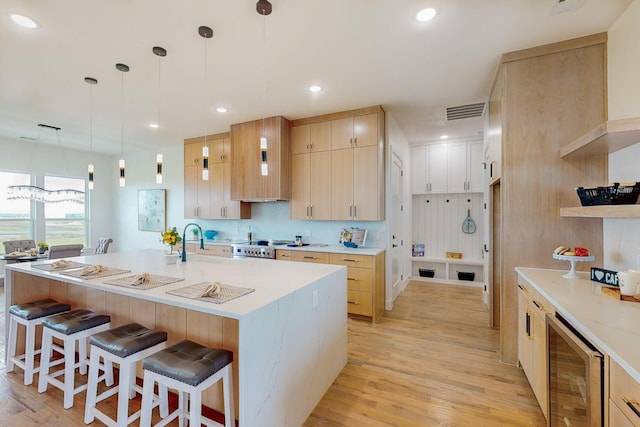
(573, 274)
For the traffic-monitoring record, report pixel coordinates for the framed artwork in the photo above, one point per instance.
(152, 210)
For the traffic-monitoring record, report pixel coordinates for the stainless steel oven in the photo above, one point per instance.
(575, 377)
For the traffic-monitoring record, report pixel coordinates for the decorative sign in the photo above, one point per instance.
(606, 277)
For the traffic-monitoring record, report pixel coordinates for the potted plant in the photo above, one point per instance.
(195, 232)
(42, 247)
(171, 237)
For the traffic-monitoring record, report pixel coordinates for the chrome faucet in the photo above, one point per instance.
(184, 240)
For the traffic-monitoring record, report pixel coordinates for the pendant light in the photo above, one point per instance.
(263, 7)
(123, 68)
(205, 33)
(160, 52)
(90, 169)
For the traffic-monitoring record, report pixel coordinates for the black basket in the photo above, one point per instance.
(615, 194)
(426, 272)
(464, 275)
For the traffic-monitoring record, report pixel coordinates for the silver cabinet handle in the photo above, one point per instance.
(309, 257)
(350, 211)
(349, 260)
(355, 211)
(352, 302)
(311, 211)
(353, 279)
(355, 141)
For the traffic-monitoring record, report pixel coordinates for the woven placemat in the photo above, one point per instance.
(227, 292)
(104, 273)
(51, 267)
(153, 282)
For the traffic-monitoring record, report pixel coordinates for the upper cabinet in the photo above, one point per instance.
(250, 181)
(210, 199)
(338, 166)
(447, 168)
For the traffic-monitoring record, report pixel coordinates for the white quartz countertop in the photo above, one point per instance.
(610, 324)
(271, 279)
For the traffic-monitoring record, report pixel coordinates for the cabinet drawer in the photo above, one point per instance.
(361, 261)
(283, 254)
(625, 392)
(221, 251)
(616, 417)
(306, 256)
(359, 279)
(359, 303)
(189, 247)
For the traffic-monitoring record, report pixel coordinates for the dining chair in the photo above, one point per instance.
(103, 245)
(18, 245)
(63, 251)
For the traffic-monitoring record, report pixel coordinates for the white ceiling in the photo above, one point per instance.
(363, 52)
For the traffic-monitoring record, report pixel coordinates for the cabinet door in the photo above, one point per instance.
(524, 335)
(192, 154)
(300, 186)
(616, 417)
(365, 184)
(216, 185)
(233, 209)
(475, 176)
(191, 176)
(320, 185)
(437, 167)
(342, 184)
(341, 133)
(301, 139)
(216, 150)
(419, 184)
(320, 136)
(457, 168)
(538, 380)
(204, 196)
(365, 130)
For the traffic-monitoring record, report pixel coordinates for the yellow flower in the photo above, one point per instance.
(171, 236)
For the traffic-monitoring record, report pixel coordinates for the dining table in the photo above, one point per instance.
(23, 258)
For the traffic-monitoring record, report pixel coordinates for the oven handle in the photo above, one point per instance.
(592, 358)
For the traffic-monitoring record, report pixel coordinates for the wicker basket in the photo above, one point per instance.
(615, 194)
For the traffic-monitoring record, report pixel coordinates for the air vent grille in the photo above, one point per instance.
(465, 111)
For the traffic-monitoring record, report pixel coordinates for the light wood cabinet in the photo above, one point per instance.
(358, 131)
(311, 186)
(215, 250)
(248, 181)
(535, 182)
(365, 283)
(532, 341)
(365, 278)
(360, 200)
(624, 393)
(311, 137)
(429, 169)
(210, 199)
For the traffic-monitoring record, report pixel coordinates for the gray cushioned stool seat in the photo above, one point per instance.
(127, 339)
(37, 309)
(75, 321)
(188, 362)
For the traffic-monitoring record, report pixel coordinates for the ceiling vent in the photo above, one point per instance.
(561, 6)
(467, 111)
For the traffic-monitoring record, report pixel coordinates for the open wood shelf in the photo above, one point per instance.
(448, 260)
(608, 137)
(606, 211)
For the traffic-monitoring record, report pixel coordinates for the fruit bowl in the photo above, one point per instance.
(210, 234)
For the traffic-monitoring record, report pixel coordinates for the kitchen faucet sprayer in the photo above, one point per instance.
(184, 240)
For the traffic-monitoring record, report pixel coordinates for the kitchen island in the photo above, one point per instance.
(289, 336)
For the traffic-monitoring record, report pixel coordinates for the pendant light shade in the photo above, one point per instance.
(90, 169)
(160, 52)
(123, 68)
(205, 33)
(264, 8)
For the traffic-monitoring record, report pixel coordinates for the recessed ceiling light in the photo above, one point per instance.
(426, 14)
(153, 125)
(315, 88)
(444, 136)
(221, 110)
(23, 21)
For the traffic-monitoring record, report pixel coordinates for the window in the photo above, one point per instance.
(65, 222)
(15, 215)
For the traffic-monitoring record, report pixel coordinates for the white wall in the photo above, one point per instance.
(398, 143)
(621, 237)
(48, 158)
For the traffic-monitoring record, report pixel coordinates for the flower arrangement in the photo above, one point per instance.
(171, 237)
(42, 247)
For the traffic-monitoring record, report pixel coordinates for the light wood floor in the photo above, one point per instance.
(429, 362)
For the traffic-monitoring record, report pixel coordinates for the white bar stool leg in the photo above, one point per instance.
(13, 334)
(147, 399)
(227, 393)
(45, 360)
(125, 388)
(195, 408)
(92, 387)
(82, 352)
(69, 370)
(30, 344)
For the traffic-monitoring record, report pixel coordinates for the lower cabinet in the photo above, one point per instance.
(365, 278)
(624, 395)
(532, 342)
(214, 250)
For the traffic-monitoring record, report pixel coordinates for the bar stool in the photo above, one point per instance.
(189, 368)
(72, 326)
(29, 315)
(124, 345)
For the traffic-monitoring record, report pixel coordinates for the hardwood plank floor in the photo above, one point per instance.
(429, 362)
